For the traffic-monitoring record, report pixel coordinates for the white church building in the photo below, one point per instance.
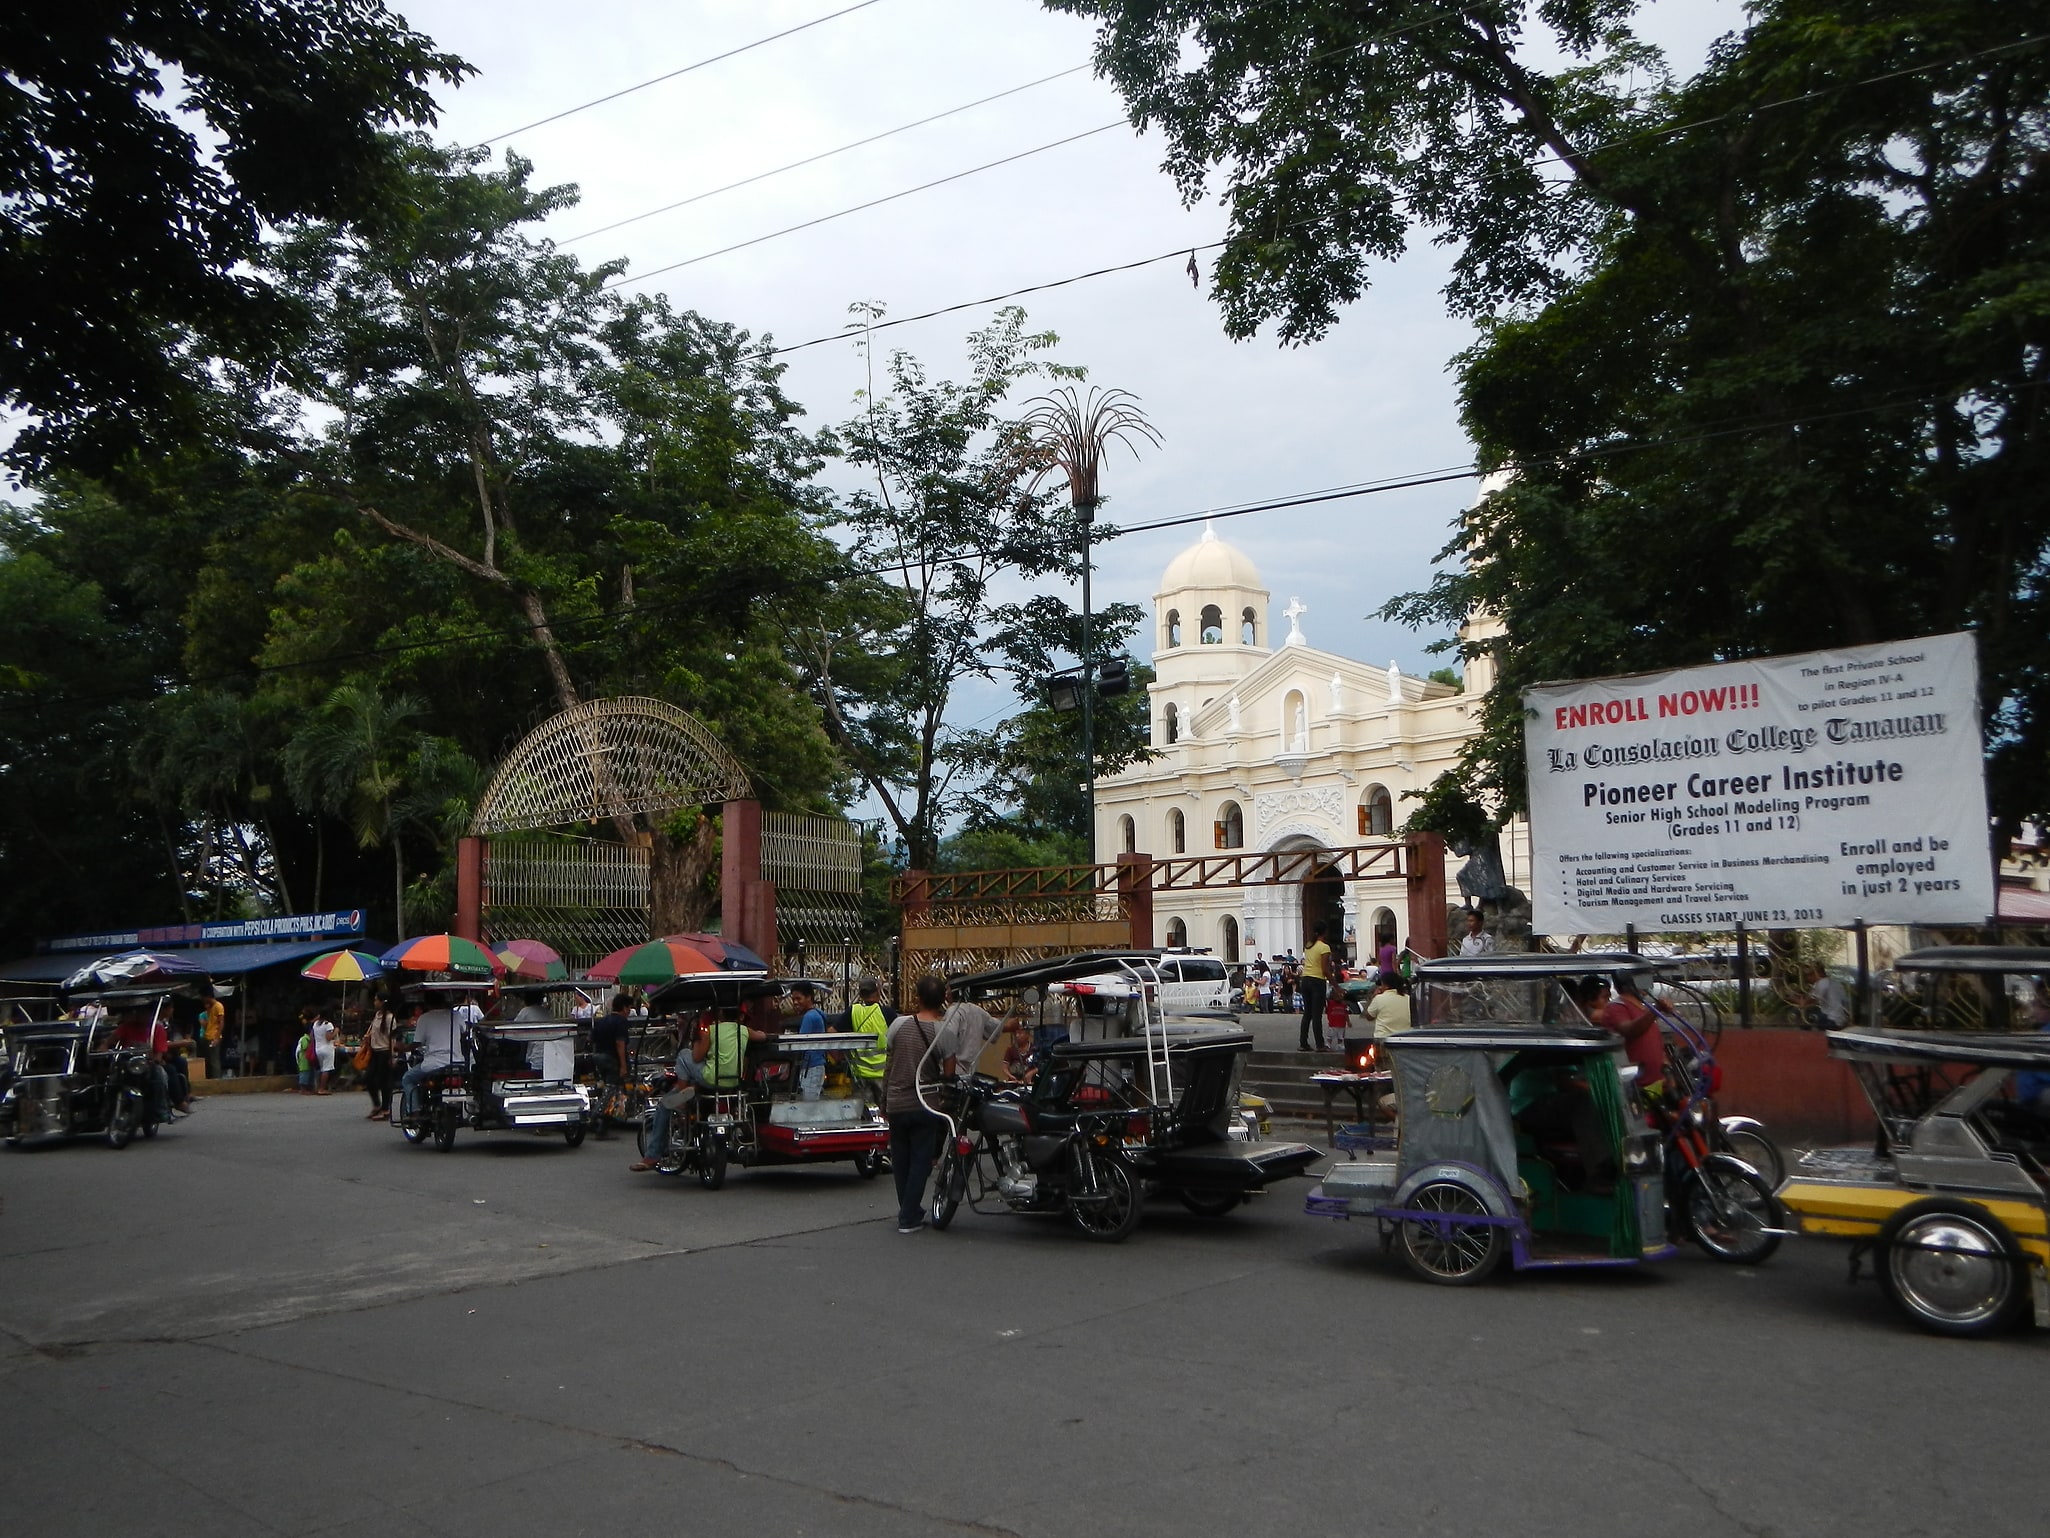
(1266, 747)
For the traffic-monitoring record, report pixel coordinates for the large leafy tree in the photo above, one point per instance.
(145, 150)
(1762, 350)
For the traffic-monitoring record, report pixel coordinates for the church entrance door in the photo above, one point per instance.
(1324, 902)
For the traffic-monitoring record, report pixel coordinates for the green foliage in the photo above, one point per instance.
(1449, 677)
(125, 243)
(1760, 349)
(1447, 808)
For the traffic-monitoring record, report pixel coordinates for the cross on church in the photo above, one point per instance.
(1294, 614)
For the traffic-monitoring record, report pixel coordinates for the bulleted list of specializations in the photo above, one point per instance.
(1808, 790)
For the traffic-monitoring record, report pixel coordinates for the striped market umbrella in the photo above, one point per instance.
(731, 955)
(658, 961)
(343, 967)
(532, 961)
(441, 953)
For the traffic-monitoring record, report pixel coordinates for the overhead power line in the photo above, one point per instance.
(809, 160)
(599, 101)
(842, 213)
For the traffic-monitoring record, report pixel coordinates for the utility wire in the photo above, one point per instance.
(692, 261)
(856, 334)
(599, 101)
(762, 176)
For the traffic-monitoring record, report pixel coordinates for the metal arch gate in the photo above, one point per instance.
(971, 921)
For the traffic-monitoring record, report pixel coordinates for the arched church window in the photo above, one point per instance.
(1213, 625)
(1177, 831)
(1377, 812)
(1231, 826)
(1177, 934)
(1228, 938)
(1128, 835)
(1171, 724)
(1249, 629)
(1174, 627)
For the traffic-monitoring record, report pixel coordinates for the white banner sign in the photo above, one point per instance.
(1811, 790)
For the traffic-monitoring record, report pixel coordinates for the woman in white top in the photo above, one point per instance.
(324, 1051)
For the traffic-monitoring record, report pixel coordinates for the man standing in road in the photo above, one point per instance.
(870, 1019)
(811, 1021)
(1316, 979)
(914, 1131)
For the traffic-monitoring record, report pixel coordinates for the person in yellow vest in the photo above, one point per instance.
(871, 1019)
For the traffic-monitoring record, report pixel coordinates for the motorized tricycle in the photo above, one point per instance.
(1519, 1135)
(1120, 1102)
(63, 1079)
(752, 1111)
(508, 1076)
(1951, 1203)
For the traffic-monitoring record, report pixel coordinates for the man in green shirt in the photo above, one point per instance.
(870, 1018)
(1316, 980)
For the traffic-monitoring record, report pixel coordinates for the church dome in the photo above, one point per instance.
(1210, 563)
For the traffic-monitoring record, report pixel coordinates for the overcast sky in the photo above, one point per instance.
(1240, 421)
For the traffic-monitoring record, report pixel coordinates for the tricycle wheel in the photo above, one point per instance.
(1210, 1204)
(868, 1165)
(1757, 1150)
(412, 1132)
(121, 1121)
(1953, 1268)
(1112, 1211)
(574, 1135)
(445, 1131)
(149, 1127)
(1443, 1244)
(1732, 1213)
(712, 1164)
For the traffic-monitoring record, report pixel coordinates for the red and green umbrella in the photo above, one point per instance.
(343, 967)
(731, 955)
(532, 961)
(656, 962)
(441, 953)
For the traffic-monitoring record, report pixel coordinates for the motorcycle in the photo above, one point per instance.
(1007, 1151)
(1723, 1200)
(704, 1126)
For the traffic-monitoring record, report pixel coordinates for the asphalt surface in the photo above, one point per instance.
(279, 1319)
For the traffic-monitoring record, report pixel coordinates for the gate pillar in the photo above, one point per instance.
(1135, 891)
(470, 888)
(1424, 864)
(747, 904)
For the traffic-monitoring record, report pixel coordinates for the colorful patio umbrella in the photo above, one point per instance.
(343, 967)
(532, 961)
(731, 955)
(441, 953)
(658, 961)
(133, 967)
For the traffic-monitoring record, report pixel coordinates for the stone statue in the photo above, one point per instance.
(1302, 729)
(1337, 692)
(1394, 684)
(1234, 714)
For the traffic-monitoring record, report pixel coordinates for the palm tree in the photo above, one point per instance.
(350, 761)
(1071, 434)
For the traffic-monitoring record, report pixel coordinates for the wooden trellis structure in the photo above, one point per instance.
(970, 921)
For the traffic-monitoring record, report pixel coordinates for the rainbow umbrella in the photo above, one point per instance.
(658, 961)
(440, 953)
(532, 961)
(731, 955)
(343, 967)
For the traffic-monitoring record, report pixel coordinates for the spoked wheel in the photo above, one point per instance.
(1732, 1212)
(445, 1131)
(1210, 1204)
(574, 1134)
(712, 1164)
(1111, 1211)
(868, 1165)
(1757, 1150)
(1953, 1269)
(121, 1122)
(949, 1185)
(1442, 1244)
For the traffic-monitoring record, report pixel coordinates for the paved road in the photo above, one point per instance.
(278, 1319)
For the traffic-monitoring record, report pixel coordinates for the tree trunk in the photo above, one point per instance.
(678, 901)
(398, 869)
